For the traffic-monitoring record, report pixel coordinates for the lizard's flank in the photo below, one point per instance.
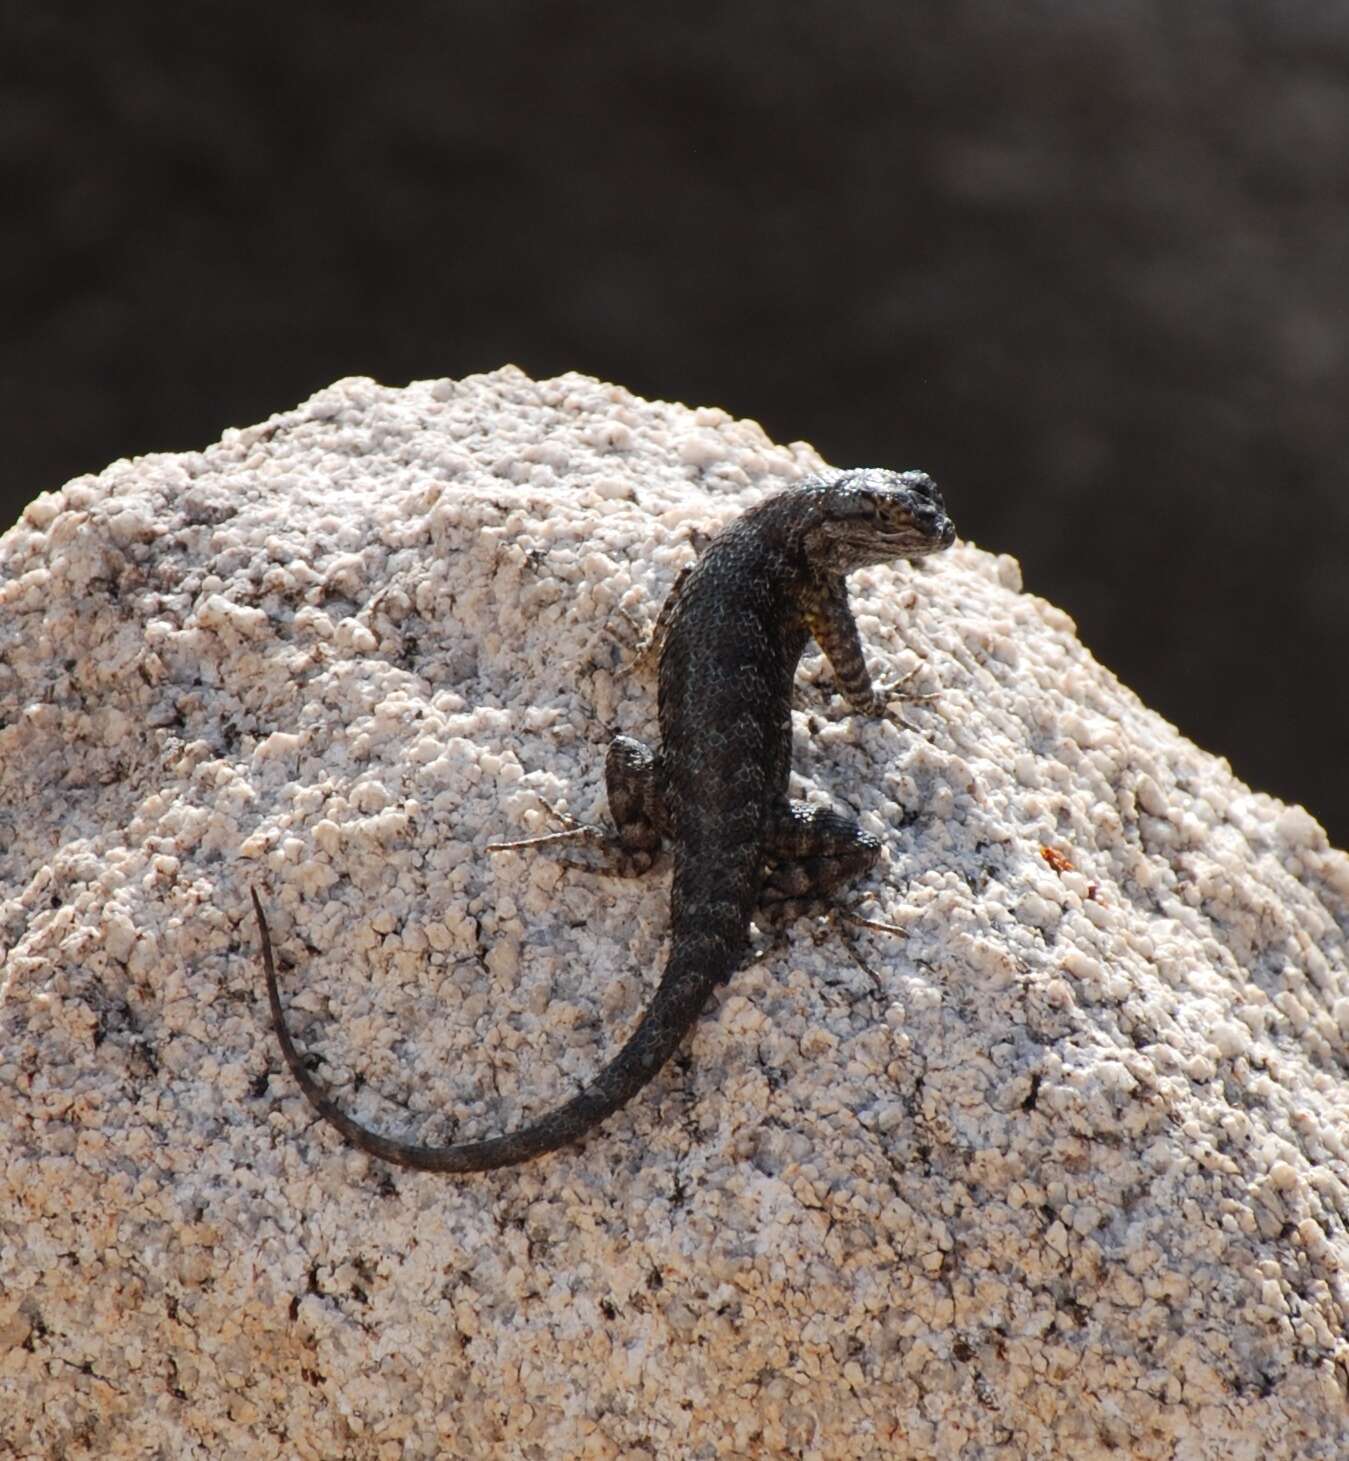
(729, 639)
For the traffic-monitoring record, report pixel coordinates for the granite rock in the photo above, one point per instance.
(1063, 1172)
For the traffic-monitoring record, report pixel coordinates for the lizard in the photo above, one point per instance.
(728, 641)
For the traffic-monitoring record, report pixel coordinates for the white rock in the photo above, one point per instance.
(1066, 1174)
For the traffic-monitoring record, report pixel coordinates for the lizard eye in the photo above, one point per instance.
(923, 485)
(867, 508)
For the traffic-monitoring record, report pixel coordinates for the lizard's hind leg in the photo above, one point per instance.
(631, 782)
(811, 851)
(633, 843)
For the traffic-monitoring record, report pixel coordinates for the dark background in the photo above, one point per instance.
(1088, 265)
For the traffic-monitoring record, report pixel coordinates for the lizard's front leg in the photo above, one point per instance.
(829, 617)
(652, 645)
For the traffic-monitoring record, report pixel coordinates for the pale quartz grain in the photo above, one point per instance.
(1060, 1173)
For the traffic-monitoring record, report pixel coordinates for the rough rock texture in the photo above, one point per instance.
(1063, 1173)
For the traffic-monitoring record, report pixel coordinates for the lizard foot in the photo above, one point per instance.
(847, 915)
(622, 860)
(843, 919)
(572, 828)
(883, 694)
(647, 651)
(894, 689)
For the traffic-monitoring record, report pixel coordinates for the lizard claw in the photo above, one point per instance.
(896, 718)
(883, 694)
(894, 689)
(642, 660)
(571, 827)
(840, 916)
(848, 915)
(646, 646)
(624, 861)
(651, 642)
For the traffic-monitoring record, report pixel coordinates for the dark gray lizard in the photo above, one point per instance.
(729, 639)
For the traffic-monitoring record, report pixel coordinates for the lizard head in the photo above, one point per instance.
(871, 515)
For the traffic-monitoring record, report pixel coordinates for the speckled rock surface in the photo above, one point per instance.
(1065, 1173)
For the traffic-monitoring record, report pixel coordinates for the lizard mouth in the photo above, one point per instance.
(943, 534)
(911, 542)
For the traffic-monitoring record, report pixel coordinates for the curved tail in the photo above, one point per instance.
(679, 999)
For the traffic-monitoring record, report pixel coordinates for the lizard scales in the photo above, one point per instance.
(729, 639)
